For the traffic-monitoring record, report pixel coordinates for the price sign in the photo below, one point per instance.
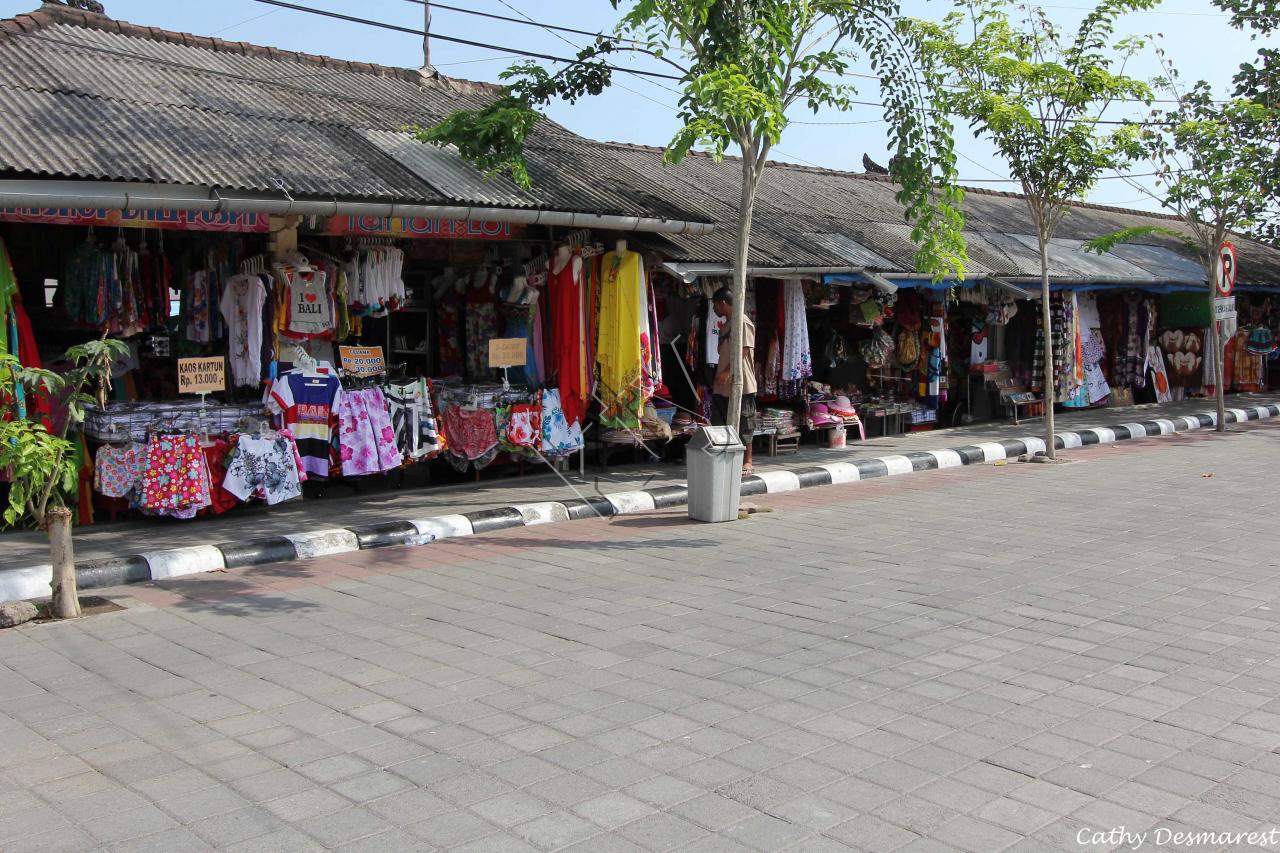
(1226, 269)
(201, 375)
(362, 361)
(508, 352)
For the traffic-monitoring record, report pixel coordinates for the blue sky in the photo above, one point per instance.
(1194, 34)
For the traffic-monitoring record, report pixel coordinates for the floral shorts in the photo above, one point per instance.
(118, 470)
(365, 434)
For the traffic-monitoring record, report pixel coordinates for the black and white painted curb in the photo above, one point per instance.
(33, 581)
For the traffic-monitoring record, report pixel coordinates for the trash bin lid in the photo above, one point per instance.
(715, 439)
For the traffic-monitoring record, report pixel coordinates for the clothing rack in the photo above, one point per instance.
(318, 252)
(254, 264)
(537, 265)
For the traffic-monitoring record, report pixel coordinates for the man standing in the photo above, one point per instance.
(722, 303)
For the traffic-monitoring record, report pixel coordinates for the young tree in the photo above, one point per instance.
(41, 465)
(1214, 162)
(741, 66)
(1258, 82)
(1038, 95)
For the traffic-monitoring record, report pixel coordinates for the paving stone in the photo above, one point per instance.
(606, 686)
(613, 810)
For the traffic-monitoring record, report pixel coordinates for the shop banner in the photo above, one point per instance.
(417, 227)
(201, 375)
(362, 361)
(170, 220)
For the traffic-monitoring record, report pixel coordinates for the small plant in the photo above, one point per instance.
(41, 464)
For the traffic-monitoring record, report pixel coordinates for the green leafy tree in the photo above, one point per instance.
(41, 464)
(1038, 95)
(741, 66)
(1258, 81)
(1214, 162)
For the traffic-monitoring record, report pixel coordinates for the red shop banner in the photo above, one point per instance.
(169, 220)
(417, 227)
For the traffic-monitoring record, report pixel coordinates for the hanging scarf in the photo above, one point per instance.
(797, 362)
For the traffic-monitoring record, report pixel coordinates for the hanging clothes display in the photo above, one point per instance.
(1159, 375)
(242, 300)
(375, 281)
(797, 362)
(115, 288)
(366, 439)
(1093, 348)
(305, 405)
(308, 303)
(1137, 329)
(175, 479)
(264, 467)
(569, 338)
(560, 437)
(413, 419)
(473, 436)
(482, 323)
(450, 314)
(618, 351)
(118, 469)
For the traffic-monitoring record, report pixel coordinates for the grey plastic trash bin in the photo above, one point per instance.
(714, 460)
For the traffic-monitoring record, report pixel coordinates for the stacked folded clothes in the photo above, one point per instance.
(780, 421)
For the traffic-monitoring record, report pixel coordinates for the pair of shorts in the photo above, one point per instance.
(746, 421)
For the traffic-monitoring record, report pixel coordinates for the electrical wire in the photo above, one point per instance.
(635, 71)
(527, 21)
(455, 40)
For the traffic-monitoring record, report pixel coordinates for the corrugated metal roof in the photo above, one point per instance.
(45, 133)
(445, 170)
(85, 102)
(1162, 263)
(851, 250)
(87, 97)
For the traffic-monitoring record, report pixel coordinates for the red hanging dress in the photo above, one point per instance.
(569, 335)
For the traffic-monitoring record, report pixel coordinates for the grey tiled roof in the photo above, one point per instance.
(84, 96)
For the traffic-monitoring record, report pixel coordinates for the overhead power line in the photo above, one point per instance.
(455, 40)
(573, 61)
(525, 21)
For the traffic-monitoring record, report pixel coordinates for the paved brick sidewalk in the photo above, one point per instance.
(380, 502)
(920, 663)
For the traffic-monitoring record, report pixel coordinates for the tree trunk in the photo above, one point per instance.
(1047, 319)
(66, 598)
(1215, 339)
(745, 207)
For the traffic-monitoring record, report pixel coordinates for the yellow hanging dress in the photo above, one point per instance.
(618, 347)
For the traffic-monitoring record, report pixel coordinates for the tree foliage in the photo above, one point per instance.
(42, 470)
(1037, 94)
(1215, 161)
(1258, 83)
(741, 66)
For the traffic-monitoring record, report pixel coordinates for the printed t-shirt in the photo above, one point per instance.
(308, 306)
(307, 404)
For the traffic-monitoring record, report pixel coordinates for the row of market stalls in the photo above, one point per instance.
(311, 297)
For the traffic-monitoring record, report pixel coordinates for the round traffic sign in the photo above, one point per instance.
(1226, 278)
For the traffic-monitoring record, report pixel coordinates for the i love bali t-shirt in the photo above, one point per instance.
(309, 308)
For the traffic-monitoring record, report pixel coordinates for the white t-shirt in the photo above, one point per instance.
(241, 306)
(310, 308)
